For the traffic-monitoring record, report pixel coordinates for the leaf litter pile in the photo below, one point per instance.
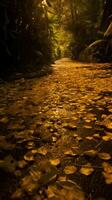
(56, 135)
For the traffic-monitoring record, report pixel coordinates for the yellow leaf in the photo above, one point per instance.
(110, 110)
(69, 126)
(96, 136)
(17, 194)
(42, 150)
(108, 177)
(109, 125)
(79, 138)
(35, 173)
(21, 163)
(89, 138)
(70, 169)
(54, 139)
(104, 156)
(69, 152)
(107, 167)
(62, 178)
(51, 191)
(87, 120)
(107, 138)
(90, 153)
(28, 156)
(28, 184)
(55, 162)
(88, 127)
(86, 169)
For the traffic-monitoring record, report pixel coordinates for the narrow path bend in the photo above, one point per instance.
(55, 134)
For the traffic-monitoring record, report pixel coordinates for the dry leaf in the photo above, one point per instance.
(69, 126)
(109, 125)
(87, 169)
(22, 163)
(108, 177)
(51, 191)
(70, 169)
(79, 138)
(104, 156)
(88, 127)
(69, 152)
(17, 194)
(54, 139)
(54, 162)
(35, 174)
(96, 136)
(90, 153)
(42, 150)
(62, 178)
(29, 156)
(87, 120)
(28, 184)
(75, 135)
(107, 167)
(89, 138)
(107, 138)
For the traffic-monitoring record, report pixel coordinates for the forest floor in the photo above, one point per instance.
(56, 134)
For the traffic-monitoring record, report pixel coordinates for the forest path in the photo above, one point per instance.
(55, 134)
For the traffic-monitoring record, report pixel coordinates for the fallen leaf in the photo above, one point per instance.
(70, 169)
(51, 191)
(54, 139)
(79, 138)
(96, 136)
(109, 125)
(28, 184)
(42, 150)
(107, 167)
(69, 152)
(87, 127)
(104, 156)
(87, 120)
(54, 162)
(108, 177)
(17, 194)
(90, 153)
(75, 135)
(35, 174)
(89, 138)
(110, 110)
(69, 126)
(62, 178)
(4, 120)
(107, 138)
(22, 163)
(29, 156)
(87, 169)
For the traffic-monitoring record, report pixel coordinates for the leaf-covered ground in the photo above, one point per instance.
(56, 134)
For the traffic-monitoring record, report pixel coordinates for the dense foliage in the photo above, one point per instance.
(35, 32)
(25, 36)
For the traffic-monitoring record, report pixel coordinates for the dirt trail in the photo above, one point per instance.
(56, 134)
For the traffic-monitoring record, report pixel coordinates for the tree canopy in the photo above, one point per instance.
(39, 31)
